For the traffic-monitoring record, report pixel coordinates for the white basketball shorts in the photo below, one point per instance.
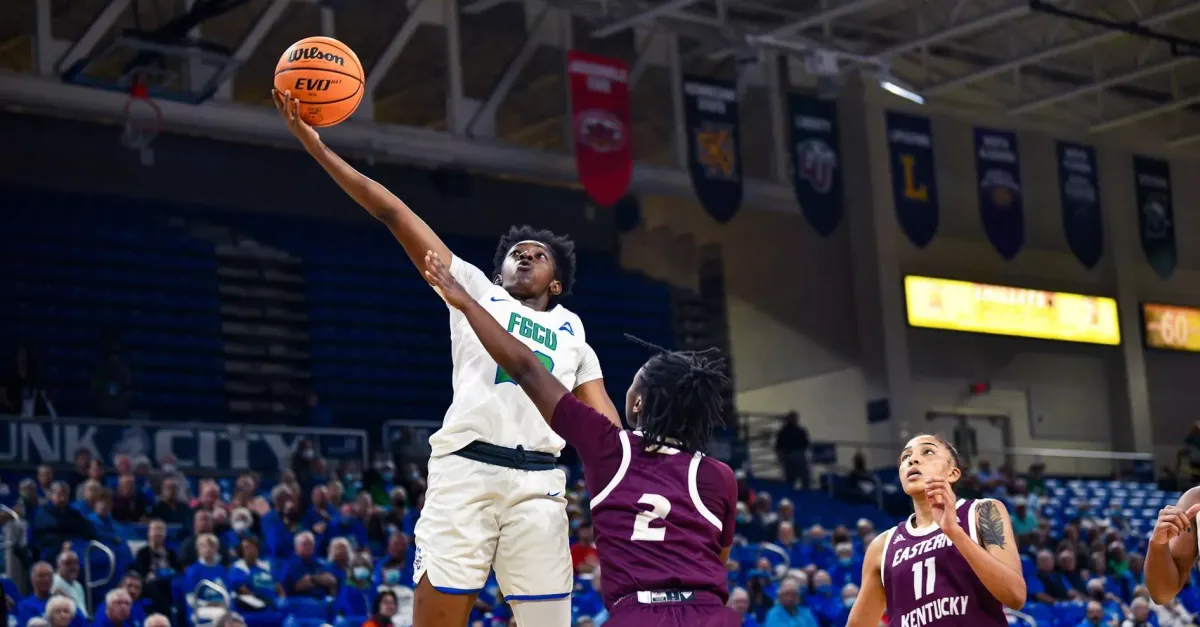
(479, 517)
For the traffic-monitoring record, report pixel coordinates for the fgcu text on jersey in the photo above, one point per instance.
(929, 582)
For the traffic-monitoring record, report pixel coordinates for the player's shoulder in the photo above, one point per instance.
(1189, 498)
(877, 546)
(570, 323)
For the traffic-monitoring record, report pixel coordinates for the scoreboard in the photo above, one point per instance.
(1170, 327)
(1003, 310)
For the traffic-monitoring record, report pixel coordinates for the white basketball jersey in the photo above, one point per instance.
(487, 404)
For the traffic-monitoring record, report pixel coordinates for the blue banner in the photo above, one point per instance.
(1079, 193)
(206, 447)
(914, 180)
(816, 175)
(1156, 216)
(998, 170)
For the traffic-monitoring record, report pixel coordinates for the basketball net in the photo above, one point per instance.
(143, 118)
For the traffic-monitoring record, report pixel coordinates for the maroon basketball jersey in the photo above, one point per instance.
(928, 582)
(661, 517)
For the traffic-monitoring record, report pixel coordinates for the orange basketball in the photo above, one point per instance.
(325, 75)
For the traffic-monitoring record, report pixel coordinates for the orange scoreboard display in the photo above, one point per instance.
(1171, 327)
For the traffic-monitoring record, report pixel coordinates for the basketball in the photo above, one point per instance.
(326, 77)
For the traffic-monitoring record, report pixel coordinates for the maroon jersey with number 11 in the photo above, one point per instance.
(661, 517)
(929, 582)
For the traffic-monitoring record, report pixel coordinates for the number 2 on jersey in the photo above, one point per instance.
(642, 531)
(502, 376)
(929, 569)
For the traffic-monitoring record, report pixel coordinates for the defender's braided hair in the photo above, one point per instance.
(562, 249)
(682, 397)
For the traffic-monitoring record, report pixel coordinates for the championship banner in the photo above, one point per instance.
(1079, 193)
(816, 177)
(1156, 217)
(1000, 205)
(601, 124)
(914, 180)
(714, 159)
(211, 447)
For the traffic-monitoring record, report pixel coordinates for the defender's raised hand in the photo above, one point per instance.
(444, 283)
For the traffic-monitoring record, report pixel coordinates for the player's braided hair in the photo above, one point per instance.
(682, 397)
(562, 249)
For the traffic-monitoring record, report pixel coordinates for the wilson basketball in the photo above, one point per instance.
(326, 77)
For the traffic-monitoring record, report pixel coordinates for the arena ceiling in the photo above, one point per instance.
(1005, 56)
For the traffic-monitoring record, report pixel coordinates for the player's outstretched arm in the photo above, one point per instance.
(872, 601)
(1172, 548)
(410, 230)
(510, 354)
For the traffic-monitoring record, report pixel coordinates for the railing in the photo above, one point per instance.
(87, 570)
(1021, 616)
(12, 535)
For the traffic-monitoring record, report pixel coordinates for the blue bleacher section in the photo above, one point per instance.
(74, 267)
(379, 340)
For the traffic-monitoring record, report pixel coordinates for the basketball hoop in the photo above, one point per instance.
(143, 118)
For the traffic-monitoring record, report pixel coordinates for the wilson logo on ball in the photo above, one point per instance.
(314, 84)
(314, 54)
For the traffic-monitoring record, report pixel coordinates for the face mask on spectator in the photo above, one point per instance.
(168, 468)
(308, 454)
(825, 589)
(387, 476)
(361, 572)
(240, 525)
(391, 577)
(848, 601)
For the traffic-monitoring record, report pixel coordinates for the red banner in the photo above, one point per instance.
(601, 123)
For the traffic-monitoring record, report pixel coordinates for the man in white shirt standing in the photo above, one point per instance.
(495, 498)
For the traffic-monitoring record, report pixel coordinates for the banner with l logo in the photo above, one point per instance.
(914, 179)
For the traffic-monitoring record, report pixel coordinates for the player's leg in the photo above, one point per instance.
(456, 538)
(533, 556)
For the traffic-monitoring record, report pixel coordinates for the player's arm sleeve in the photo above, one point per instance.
(718, 492)
(595, 438)
(471, 278)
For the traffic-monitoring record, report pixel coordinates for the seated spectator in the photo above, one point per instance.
(156, 620)
(739, 601)
(817, 549)
(231, 619)
(82, 460)
(1110, 605)
(1095, 617)
(339, 559)
(169, 469)
(786, 540)
(117, 610)
(355, 597)
(96, 471)
(58, 523)
(202, 523)
(66, 580)
(207, 567)
(584, 556)
(281, 525)
(252, 577)
(337, 494)
(1139, 614)
(788, 612)
(45, 481)
(132, 583)
(320, 512)
(351, 523)
(27, 499)
(241, 524)
(108, 531)
(209, 498)
(825, 602)
(41, 577)
(170, 506)
(1134, 575)
(1024, 521)
(86, 496)
(1099, 572)
(849, 596)
(848, 568)
(397, 510)
(61, 611)
(160, 565)
(1070, 575)
(1047, 586)
(760, 601)
(383, 610)
(129, 506)
(122, 467)
(395, 569)
(305, 575)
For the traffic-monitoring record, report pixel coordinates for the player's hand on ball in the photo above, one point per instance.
(444, 283)
(289, 109)
(940, 495)
(1172, 521)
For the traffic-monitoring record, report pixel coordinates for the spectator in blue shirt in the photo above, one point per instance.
(339, 559)
(34, 605)
(847, 568)
(58, 523)
(305, 575)
(849, 596)
(396, 568)
(281, 533)
(356, 597)
(108, 531)
(348, 524)
(817, 549)
(207, 567)
(132, 584)
(739, 601)
(320, 511)
(825, 601)
(118, 609)
(788, 612)
(586, 600)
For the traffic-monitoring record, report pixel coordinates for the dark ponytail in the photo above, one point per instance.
(682, 397)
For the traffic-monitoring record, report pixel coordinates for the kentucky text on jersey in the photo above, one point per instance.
(935, 610)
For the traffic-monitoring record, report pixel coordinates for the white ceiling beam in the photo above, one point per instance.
(392, 52)
(1006, 14)
(1185, 140)
(95, 31)
(1099, 85)
(811, 21)
(479, 6)
(641, 17)
(1144, 114)
(262, 27)
(1054, 51)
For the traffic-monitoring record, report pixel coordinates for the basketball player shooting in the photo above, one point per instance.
(1172, 550)
(953, 563)
(662, 511)
(495, 498)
